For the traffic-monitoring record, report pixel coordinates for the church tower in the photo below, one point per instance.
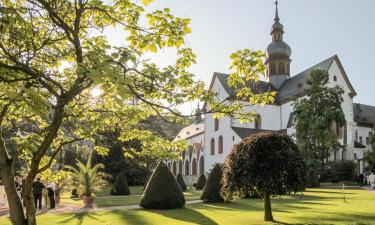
(279, 52)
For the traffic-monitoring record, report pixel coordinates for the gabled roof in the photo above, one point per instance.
(243, 132)
(295, 86)
(190, 131)
(364, 114)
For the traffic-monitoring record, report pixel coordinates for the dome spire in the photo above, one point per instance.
(277, 19)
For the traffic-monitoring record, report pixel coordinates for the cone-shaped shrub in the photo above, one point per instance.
(120, 187)
(162, 190)
(181, 182)
(211, 192)
(201, 182)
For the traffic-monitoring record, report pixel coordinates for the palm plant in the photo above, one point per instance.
(88, 179)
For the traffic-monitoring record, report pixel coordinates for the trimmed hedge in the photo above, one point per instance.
(162, 190)
(120, 186)
(211, 192)
(181, 182)
(337, 171)
(201, 182)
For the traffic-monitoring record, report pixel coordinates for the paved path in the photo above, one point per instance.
(75, 208)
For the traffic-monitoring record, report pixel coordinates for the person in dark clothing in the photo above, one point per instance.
(51, 194)
(360, 179)
(38, 193)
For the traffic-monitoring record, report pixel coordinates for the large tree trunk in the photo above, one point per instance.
(267, 208)
(17, 215)
(29, 202)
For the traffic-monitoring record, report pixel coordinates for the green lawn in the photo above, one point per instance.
(316, 206)
(105, 199)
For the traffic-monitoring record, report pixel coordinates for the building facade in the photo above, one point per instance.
(217, 136)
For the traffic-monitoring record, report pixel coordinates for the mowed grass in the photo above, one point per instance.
(316, 206)
(105, 199)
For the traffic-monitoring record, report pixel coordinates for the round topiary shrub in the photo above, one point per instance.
(162, 190)
(211, 192)
(201, 182)
(181, 182)
(268, 164)
(120, 186)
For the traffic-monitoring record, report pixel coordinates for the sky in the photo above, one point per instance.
(315, 30)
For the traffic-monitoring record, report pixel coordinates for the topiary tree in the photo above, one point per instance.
(211, 192)
(181, 182)
(120, 186)
(162, 190)
(265, 163)
(201, 182)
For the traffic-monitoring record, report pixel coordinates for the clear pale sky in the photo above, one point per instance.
(315, 30)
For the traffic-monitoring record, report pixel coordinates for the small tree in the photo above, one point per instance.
(265, 163)
(211, 192)
(162, 190)
(181, 182)
(201, 182)
(120, 186)
(88, 179)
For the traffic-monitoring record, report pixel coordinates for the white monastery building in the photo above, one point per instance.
(210, 140)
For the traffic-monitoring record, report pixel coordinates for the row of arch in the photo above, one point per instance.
(187, 168)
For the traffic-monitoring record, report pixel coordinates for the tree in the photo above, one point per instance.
(370, 155)
(54, 58)
(120, 186)
(201, 182)
(318, 117)
(181, 182)
(211, 192)
(264, 163)
(162, 190)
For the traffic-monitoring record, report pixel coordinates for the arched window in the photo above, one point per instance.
(334, 78)
(281, 68)
(258, 122)
(174, 170)
(220, 144)
(201, 165)
(272, 68)
(194, 167)
(216, 124)
(180, 166)
(187, 168)
(212, 146)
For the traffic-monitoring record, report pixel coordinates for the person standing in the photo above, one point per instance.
(51, 194)
(372, 180)
(38, 193)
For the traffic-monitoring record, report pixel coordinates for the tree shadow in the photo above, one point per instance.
(79, 217)
(187, 215)
(130, 216)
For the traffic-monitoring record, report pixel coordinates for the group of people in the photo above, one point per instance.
(38, 187)
(367, 179)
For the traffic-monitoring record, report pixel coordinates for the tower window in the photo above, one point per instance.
(281, 68)
(334, 78)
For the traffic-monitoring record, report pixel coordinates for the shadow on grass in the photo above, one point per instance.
(187, 215)
(79, 218)
(329, 192)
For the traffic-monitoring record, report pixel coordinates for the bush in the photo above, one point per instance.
(201, 182)
(162, 190)
(337, 171)
(211, 192)
(120, 186)
(181, 182)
